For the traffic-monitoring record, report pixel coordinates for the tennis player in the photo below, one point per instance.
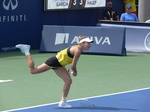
(67, 56)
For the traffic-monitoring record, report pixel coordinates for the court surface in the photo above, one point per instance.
(130, 101)
(104, 84)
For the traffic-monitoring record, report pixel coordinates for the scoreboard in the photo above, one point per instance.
(73, 4)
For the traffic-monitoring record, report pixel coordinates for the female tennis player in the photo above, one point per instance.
(67, 56)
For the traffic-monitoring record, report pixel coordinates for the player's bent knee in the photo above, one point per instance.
(69, 81)
(32, 72)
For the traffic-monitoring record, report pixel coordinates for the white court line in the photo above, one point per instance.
(79, 99)
(5, 81)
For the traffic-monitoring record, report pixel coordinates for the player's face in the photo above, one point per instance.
(86, 45)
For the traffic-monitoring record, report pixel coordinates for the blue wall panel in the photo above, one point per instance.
(21, 21)
(75, 17)
(54, 17)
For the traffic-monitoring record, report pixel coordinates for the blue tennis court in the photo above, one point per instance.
(128, 101)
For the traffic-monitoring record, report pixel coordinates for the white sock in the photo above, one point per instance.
(27, 53)
(63, 98)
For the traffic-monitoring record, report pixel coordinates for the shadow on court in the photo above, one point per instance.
(98, 108)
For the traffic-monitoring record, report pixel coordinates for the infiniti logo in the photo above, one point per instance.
(147, 41)
(9, 4)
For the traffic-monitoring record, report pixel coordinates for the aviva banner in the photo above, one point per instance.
(106, 40)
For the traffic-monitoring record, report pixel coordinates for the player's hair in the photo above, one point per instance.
(81, 37)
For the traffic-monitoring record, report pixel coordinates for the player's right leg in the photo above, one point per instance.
(36, 70)
(26, 50)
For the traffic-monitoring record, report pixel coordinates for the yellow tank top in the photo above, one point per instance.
(65, 57)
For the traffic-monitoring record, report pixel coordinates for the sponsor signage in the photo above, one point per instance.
(19, 23)
(9, 7)
(106, 40)
(147, 41)
(137, 35)
(138, 40)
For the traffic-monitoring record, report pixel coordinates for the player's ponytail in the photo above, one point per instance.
(81, 37)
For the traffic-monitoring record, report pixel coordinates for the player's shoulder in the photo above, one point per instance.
(76, 48)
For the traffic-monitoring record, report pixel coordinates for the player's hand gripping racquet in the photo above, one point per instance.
(70, 71)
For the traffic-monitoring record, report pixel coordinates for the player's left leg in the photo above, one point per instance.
(64, 75)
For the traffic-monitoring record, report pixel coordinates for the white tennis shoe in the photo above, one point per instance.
(64, 104)
(23, 47)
